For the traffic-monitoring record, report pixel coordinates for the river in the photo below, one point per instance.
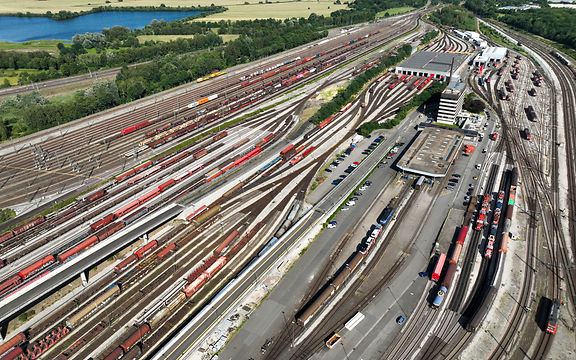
(20, 29)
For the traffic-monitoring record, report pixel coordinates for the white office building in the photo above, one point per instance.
(451, 102)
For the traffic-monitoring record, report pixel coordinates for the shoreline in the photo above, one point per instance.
(67, 15)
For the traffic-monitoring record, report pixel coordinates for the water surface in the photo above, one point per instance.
(19, 29)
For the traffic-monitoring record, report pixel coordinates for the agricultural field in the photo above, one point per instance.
(395, 11)
(238, 9)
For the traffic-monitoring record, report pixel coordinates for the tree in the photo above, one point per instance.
(6, 214)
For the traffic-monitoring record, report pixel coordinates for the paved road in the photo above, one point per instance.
(316, 250)
(33, 293)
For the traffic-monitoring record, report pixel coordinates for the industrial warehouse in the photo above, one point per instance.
(438, 65)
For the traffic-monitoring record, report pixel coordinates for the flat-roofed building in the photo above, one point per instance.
(494, 55)
(437, 65)
(432, 152)
(451, 101)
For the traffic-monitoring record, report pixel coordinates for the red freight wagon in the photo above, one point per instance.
(439, 267)
(194, 286)
(97, 195)
(233, 235)
(462, 235)
(166, 185)
(148, 196)
(91, 241)
(308, 151)
(103, 222)
(47, 260)
(15, 341)
(135, 337)
(6, 236)
(145, 249)
(286, 150)
(110, 230)
(199, 153)
(127, 208)
(7, 284)
(125, 263)
(13, 354)
(167, 249)
(214, 268)
(220, 136)
(28, 226)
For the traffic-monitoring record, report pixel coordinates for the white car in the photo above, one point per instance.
(332, 224)
(363, 188)
(345, 208)
(351, 203)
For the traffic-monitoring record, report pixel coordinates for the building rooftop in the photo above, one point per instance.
(432, 152)
(454, 88)
(433, 61)
(492, 53)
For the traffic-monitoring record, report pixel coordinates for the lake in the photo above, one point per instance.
(19, 29)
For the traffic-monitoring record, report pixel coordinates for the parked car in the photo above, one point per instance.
(332, 224)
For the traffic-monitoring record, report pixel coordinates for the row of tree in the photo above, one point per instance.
(431, 94)
(345, 95)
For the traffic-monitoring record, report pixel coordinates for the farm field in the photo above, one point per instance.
(395, 11)
(238, 10)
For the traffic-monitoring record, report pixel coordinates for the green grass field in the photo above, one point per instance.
(280, 9)
(47, 45)
(13, 75)
(395, 11)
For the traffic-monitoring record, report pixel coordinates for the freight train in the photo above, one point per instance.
(451, 270)
(22, 228)
(305, 314)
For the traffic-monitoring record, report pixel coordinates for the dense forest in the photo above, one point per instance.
(168, 63)
(558, 24)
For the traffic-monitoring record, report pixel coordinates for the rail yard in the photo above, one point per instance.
(214, 221)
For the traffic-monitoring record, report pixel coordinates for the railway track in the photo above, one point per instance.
(164, 109)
